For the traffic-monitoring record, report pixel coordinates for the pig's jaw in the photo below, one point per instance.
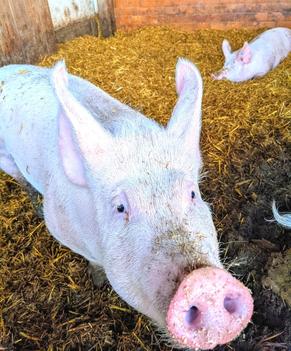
(152, 294)
(156, 297)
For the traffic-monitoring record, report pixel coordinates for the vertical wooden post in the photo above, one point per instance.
(106, 17)
(26, 31)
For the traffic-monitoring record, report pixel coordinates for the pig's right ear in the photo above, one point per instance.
(82, 140)
(185, 123)
(226, 48)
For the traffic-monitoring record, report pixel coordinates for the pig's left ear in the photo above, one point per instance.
(226, 48)
(185, 123)
(245, 53)
(82, 140)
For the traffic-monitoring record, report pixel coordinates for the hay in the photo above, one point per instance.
(47, 299)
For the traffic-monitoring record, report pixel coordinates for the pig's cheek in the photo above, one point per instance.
(135, 287)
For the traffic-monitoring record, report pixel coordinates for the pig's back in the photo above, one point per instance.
(28, 111)
(27, 100)
(280, 37)
(29, 118)
(111, 113)
(271, 47)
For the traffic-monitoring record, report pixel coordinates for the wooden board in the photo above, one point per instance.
(26, 31)
(106, 17)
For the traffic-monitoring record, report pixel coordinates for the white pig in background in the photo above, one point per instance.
(256, 58)
(123, 192)
(283, 219)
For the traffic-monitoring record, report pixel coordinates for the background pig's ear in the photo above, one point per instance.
(81, 137)
(245, 53)
(185, 123)
(226, 48)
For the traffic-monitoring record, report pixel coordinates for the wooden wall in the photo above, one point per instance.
(30, 29)
(193, 14)
(72, 18)
(26, 31)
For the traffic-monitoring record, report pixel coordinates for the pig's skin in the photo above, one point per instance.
(256, 58)
(88, 154)
(80, 212)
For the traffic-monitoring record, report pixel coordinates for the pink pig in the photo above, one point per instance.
(123, 192)
(256, 58)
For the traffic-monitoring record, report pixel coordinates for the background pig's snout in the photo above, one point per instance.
(210, 307)
(215, 75)
(219, 75)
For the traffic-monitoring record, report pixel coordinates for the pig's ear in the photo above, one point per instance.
(226, 48)
(245, 53)
(185, 123)
(81, 138)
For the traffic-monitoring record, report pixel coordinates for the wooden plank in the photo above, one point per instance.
(106, 17)
(77, 28)
(26, 31)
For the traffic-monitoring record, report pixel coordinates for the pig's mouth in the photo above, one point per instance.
(220, 75)
(209, 308)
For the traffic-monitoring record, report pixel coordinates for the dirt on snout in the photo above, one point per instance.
(47, 299)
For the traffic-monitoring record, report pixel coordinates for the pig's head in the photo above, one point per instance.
(236, 66)
(153, 226)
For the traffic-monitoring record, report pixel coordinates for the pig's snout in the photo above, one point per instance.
(210, 307)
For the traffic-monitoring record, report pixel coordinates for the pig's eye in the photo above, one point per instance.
(193, 195)
(120, 208)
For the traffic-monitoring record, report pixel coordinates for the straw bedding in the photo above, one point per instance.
(47, 300)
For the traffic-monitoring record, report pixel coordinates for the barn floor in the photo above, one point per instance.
(47, 300)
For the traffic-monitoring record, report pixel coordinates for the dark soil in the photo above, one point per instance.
(251, 245)
(47, 299)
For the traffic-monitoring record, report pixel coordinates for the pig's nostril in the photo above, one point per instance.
(231, 304)
(192, 316)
